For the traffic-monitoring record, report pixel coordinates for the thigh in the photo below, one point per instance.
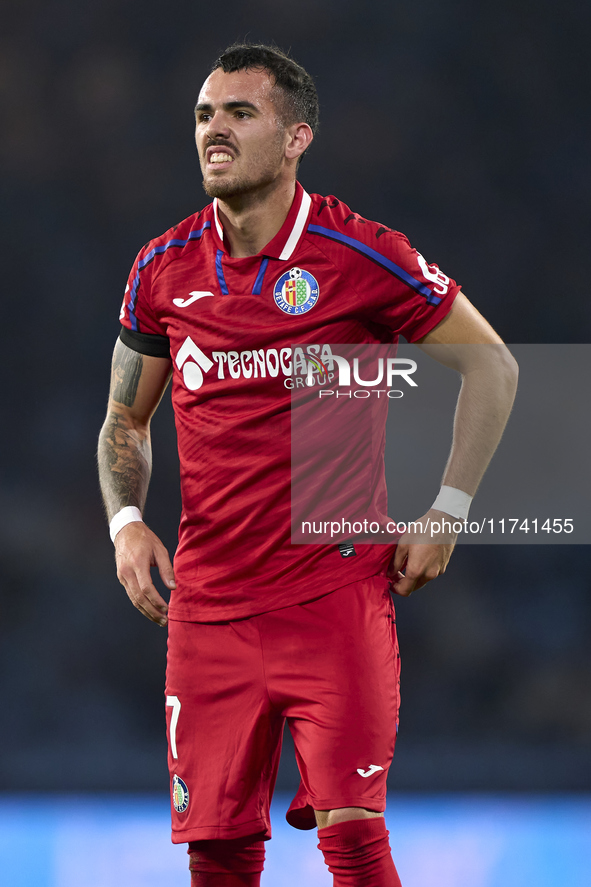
(340, 685)
(223, 737)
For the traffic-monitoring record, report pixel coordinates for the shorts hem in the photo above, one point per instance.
(302, 817)
(222, 832)
(376, 805)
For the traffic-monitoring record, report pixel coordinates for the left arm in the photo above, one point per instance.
(465, 342)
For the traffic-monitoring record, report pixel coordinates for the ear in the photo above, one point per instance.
(299, 136)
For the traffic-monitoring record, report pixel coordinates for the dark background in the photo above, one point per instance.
(465, 125)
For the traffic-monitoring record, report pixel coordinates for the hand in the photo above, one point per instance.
(137, 549)
(422, 553)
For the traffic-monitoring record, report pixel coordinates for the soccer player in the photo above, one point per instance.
(262, 630)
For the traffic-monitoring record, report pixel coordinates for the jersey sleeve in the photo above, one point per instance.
(141, 329)
(401, 290)
(404, 292)
(395, 286)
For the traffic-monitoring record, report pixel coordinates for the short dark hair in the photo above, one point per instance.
(300, 99)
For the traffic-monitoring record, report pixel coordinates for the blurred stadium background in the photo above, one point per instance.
(464, 125)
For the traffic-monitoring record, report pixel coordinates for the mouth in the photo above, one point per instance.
(218, 158)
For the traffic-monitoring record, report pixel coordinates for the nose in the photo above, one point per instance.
(217, 125)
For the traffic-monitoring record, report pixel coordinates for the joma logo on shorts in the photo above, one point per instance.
(373, 768)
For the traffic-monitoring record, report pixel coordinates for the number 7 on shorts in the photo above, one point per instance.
(175, 702)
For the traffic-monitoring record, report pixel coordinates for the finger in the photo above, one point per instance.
(413, 580)
(150, 599)
(414, 570)
(143, 594)
(403, 587)
(147, 608)
(405, 583)
(153, 610)
(400, 556)
(164, 565)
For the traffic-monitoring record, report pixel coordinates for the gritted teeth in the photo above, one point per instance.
(219, 157)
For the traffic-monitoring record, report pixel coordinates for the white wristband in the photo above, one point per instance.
(127, 515)
(453, 502)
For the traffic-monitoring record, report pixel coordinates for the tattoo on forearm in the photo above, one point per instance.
(125, 464)
(127, 369)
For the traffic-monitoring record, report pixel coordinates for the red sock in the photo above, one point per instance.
(357, 853)
(232, 863)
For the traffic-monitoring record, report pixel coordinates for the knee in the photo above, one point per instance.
(325, 818)
(236, 861)
(357, 851)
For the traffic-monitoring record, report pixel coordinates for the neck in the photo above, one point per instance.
(251, 221)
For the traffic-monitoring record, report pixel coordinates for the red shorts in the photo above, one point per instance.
(331, 667)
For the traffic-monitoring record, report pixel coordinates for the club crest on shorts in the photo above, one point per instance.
(180, 794)
(296, 291)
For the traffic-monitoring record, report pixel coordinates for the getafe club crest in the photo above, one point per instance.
(296, 292)
(180, 794)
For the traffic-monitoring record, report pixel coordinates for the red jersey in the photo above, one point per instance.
(230, 325)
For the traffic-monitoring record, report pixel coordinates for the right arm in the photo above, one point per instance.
(125, 464)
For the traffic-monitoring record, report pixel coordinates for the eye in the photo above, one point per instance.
(242, 115)
(203, 117)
